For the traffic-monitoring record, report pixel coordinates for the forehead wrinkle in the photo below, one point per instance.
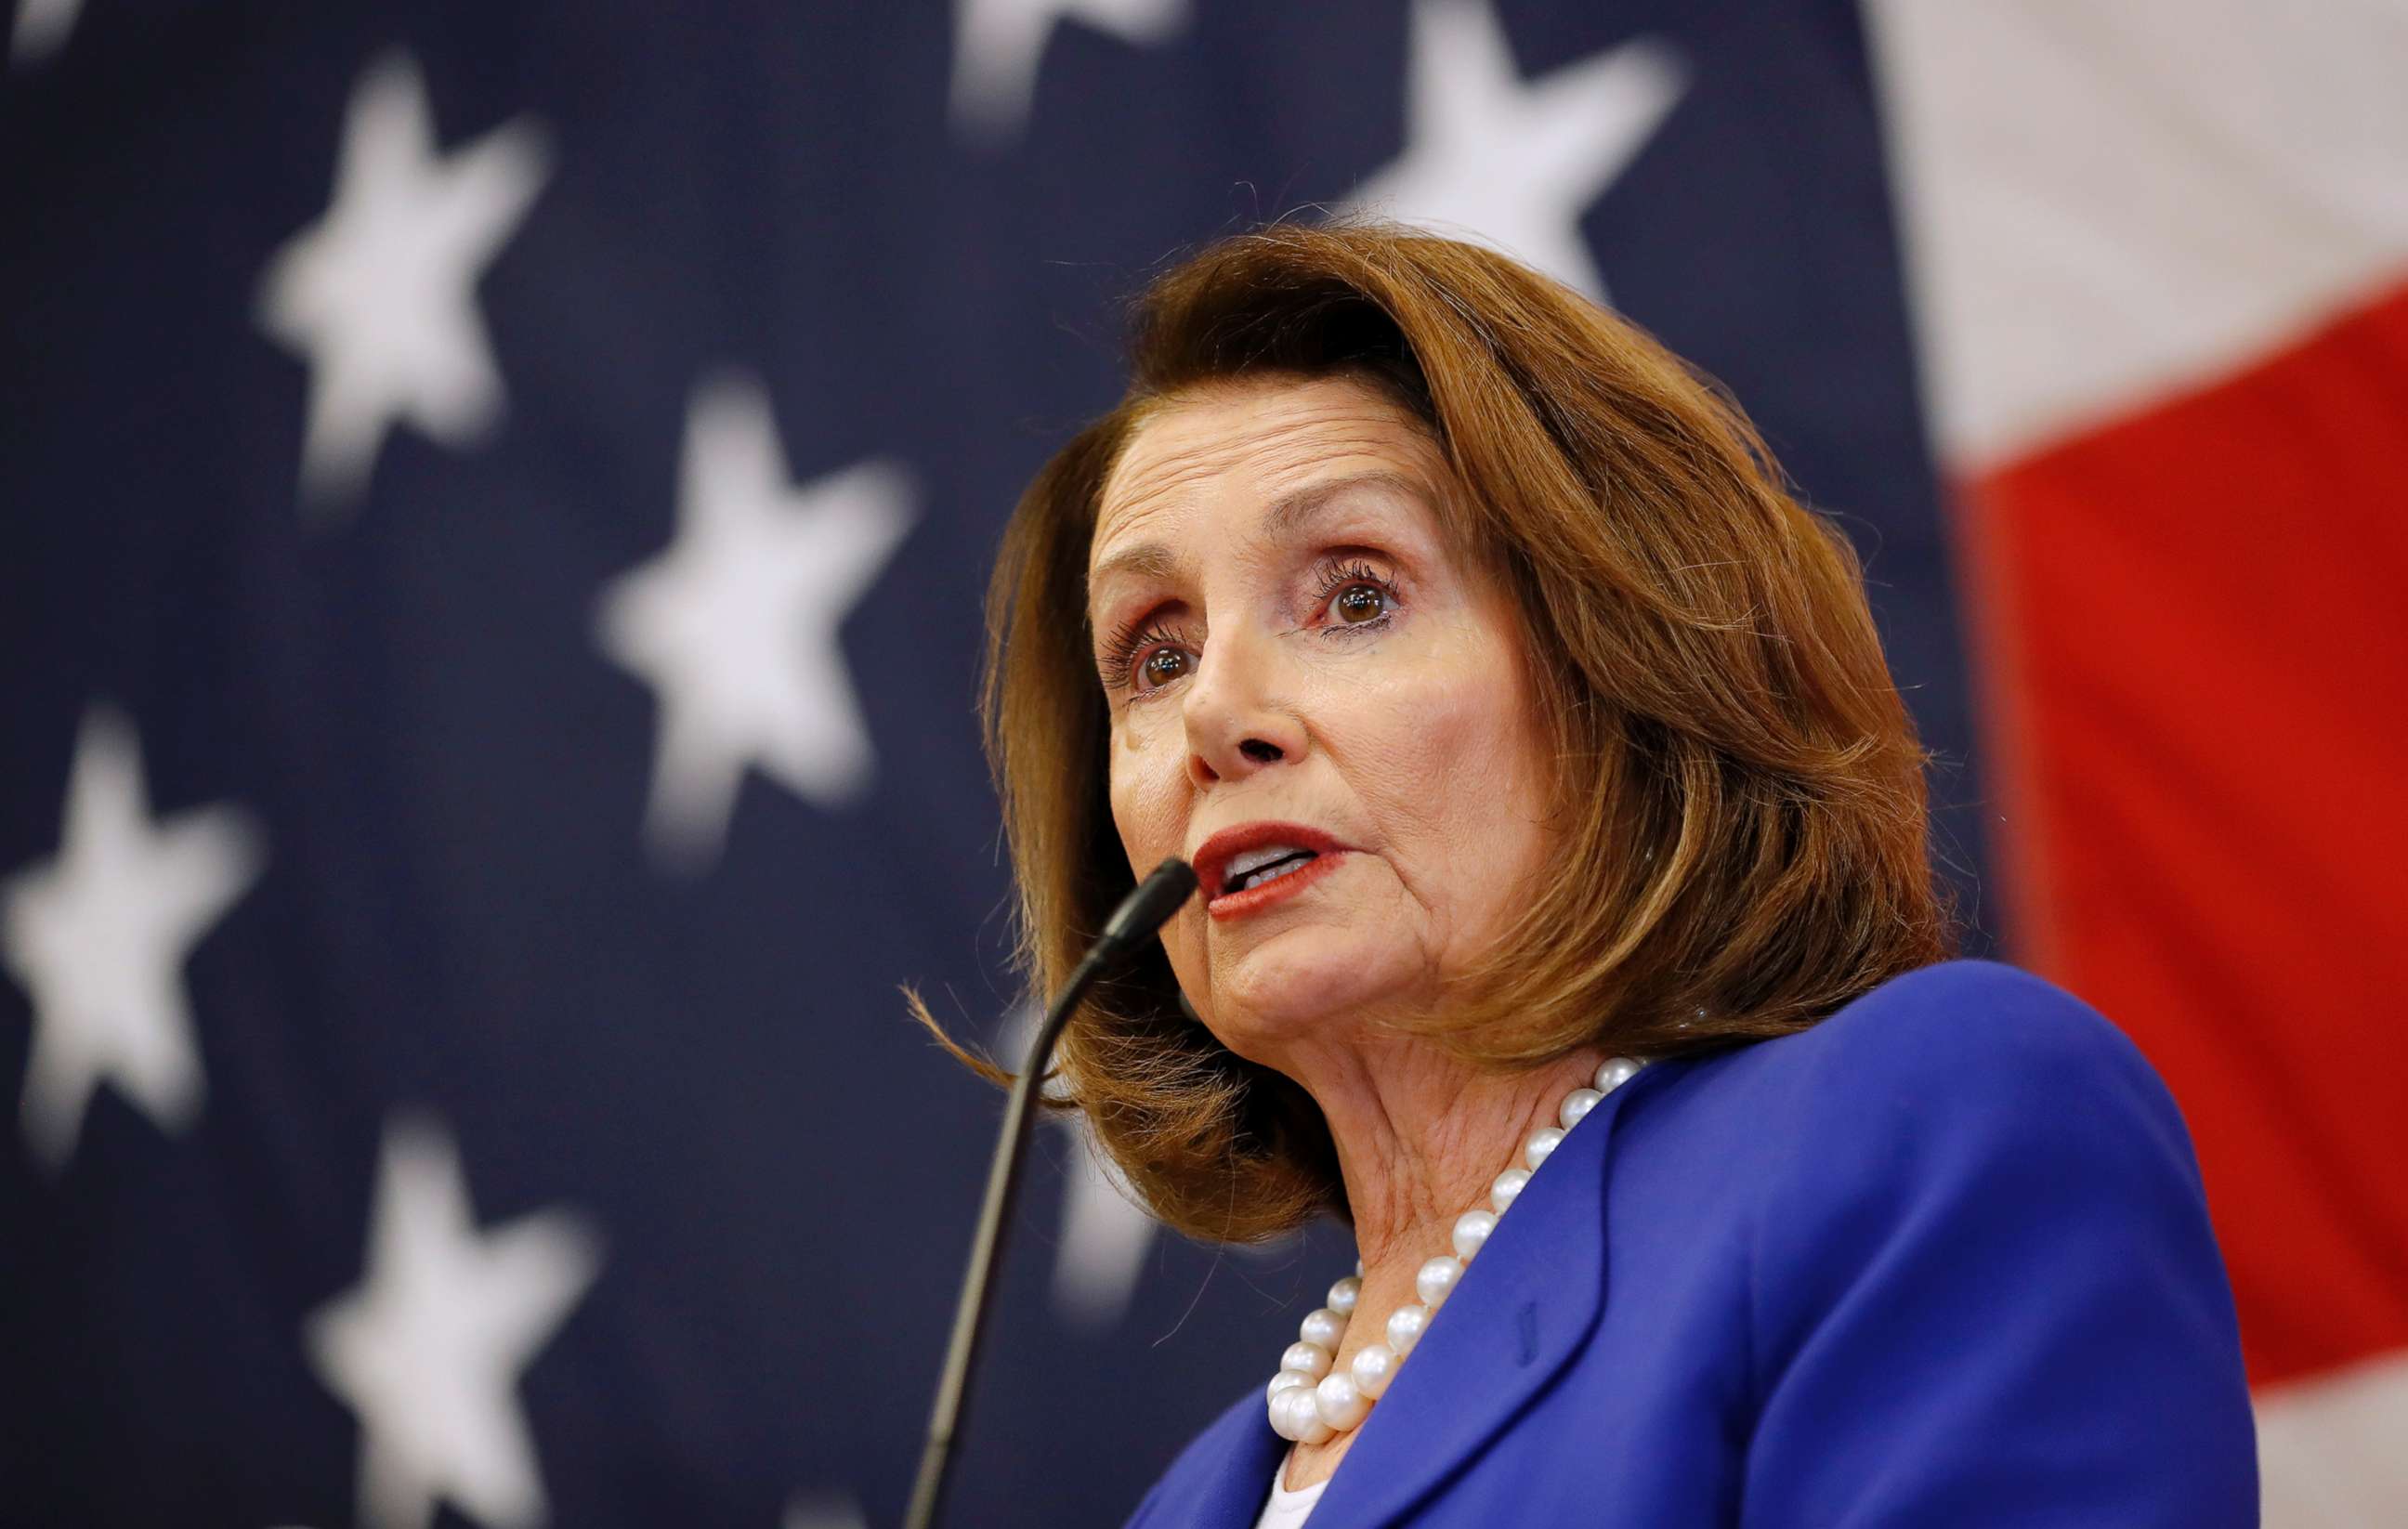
(1283, 445)
(1146, 560)
(1293, 516)
(1295, 444)
(1282, 455)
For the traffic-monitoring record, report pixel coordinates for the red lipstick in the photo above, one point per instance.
(1212, 857)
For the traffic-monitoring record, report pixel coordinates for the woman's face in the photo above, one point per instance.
(1298, 661)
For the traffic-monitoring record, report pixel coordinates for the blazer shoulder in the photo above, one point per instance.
(1943, 1074)
(1971, 1028)
(1936, 1077)
(1979, 1223)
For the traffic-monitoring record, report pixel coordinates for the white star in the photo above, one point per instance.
(41, 30)
(1105, 1237)
(427, 1350)
(823, 1510)
(998, 45)
(735, 626)
(1105, 1233)
(98, 936)
(1516, 164)
(379, 296)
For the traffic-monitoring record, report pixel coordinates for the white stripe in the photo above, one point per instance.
(2332, 1452)
(2105, 205)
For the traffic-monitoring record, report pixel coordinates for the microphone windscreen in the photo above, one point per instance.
(1151, 905)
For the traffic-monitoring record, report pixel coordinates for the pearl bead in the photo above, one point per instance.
(1616, 1072)
(1278, 1413)
(1310, 1400)
(1296, 1415)
(1508, 1186)
(1324, 1327)
(1374, 1366)
(1306, 1408)
(1472, 1231)
(1436, 1281)
(1340, 1403)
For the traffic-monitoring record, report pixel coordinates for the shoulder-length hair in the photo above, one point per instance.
(1738, 812)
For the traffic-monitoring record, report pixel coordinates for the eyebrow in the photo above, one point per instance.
(1287, 519)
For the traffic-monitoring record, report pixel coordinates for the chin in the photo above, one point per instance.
(1295, 985)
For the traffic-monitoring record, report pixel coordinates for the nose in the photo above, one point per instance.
(1237, 721)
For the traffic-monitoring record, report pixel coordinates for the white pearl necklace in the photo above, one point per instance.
(1310, 1403)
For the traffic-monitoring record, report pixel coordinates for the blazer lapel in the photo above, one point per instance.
(1526, 1308)
(1221, 1479)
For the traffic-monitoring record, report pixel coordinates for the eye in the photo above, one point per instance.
(1354, 594)
(1358, 603)
(1142, 657)
(1163, 665)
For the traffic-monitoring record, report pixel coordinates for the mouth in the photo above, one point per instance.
(1256, 864)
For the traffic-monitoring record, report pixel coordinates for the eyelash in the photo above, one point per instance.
(1138, 640)
(1334, 576)
(1122, 653)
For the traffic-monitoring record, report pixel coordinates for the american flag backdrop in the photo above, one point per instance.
(497, 502)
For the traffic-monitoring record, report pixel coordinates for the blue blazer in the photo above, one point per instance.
(1942, 1259)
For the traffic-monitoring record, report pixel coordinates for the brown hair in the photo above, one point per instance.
(1739, 799)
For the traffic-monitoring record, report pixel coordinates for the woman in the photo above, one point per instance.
(1566, 928)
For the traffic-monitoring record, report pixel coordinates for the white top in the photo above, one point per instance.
(1285, 1509)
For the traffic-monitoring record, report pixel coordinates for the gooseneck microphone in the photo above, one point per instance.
(1132, 924)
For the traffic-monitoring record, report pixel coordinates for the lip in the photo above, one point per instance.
(1212, 859)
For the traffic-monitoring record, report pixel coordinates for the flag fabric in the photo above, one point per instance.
(2161, 258)
(497, 499)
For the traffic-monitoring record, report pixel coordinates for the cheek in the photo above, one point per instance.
(1450, 749)
(1478, 802)
(1149, 798)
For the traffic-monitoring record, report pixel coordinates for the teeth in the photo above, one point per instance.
(1247, 881)
(1251, 861)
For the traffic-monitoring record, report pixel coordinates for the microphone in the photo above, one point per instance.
(1140, 913)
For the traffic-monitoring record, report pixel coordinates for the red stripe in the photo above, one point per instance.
(2192, 627)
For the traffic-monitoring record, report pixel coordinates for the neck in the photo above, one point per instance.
(1420, 1137)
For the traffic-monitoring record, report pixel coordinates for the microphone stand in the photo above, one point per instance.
(1140, 913)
